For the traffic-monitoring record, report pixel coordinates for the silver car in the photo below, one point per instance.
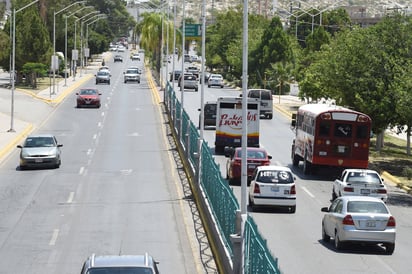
(41, 150)
(132, 74)
(359, 219)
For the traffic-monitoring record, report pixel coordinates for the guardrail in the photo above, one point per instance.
(216, 201)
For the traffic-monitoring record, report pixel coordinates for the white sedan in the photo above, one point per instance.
(273, 186)
(359, 219)
(360, 182)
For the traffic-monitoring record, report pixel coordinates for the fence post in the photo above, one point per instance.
(236, 240)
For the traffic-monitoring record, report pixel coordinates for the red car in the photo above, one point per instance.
(255, 157)
(88, 97)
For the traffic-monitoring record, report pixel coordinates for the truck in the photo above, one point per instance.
(359, 182)
(229, 123)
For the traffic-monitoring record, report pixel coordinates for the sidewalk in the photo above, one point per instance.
(18, 129)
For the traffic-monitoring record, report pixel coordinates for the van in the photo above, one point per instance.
(266, 101)
(209, 112)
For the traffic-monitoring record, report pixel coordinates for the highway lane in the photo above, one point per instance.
(296, 238)
(116, 191)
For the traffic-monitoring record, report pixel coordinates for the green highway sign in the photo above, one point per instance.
(193, 30)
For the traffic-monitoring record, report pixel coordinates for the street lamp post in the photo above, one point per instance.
(75, 37)
(81, 40)
(54, 58)
(65, 40)
(14, 63)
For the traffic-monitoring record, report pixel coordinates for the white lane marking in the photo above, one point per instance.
(89, 151)
(54, 237)
(94, 136)
(81, 171)
(99, 124)
(102, 113)
(308, 192)
(70, 199)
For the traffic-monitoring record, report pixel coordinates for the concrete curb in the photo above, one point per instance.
(389, 178)
(11, 145)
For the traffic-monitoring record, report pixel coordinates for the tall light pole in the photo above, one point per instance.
(182, 83)
(81, 41)
(65, 40)
(75, 37)
(14, 63)
(54, 63)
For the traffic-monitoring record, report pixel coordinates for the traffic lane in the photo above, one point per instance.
(301, 232)
(70, 229)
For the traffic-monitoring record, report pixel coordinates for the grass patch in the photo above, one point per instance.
(42, 84)
(392, 158)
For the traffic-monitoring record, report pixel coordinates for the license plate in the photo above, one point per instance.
(252, 166)
(370, 224)
(274, 189)
(38, 160)
(365, 191)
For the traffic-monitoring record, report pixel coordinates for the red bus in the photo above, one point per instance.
(330, 135)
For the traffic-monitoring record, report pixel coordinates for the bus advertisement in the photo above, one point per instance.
(330, 135)
(229, 123)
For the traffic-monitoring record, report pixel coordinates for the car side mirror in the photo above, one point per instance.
(19, 146)
(324, 209)
(269, 156)
(59, 145)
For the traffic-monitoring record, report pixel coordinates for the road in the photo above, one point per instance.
(116, 192)
(296, 238)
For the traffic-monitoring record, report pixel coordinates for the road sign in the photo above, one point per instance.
(193, 30)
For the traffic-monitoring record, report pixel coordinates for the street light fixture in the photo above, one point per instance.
(65, 40)
(14, 63)
(54, 58)
(82, 53)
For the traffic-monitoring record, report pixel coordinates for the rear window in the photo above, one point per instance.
(266, 95)
(366, 207)
(190, 77)
(363, 178)
(275, 176)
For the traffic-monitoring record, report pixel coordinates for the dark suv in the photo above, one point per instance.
(120, 264)
(210, 109)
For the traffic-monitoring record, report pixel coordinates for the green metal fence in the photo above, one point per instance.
(222, 201)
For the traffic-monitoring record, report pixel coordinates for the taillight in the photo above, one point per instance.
(348, 189)
(293, 190)
(382, 191)
(348, 220)
(256, 189)
(266, 163)
(391, 222)
(237, 163)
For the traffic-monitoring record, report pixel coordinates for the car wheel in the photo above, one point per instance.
(97, 82)
(221, 86)
(22, 167)
(270, 116)
(108, 83)
(295, 160)
(138, 82)
(390, 247)
(292, 209)
(196, 89)
(306, 166)
(338, 243)
(208, 86)
(125, 82)
(325, 237)
(334, 196)
(251, 204)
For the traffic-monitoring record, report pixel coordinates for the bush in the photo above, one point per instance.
(407, 172)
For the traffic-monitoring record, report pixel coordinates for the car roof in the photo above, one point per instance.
(273, 167)
(121, 260)
(360, 198)
(40, 135)
(360, 170)
(252, 148)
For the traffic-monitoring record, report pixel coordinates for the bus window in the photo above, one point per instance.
(362, 132)
(324, 128)
(343, 130)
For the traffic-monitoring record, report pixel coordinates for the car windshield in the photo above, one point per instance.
(103, 73)
(120, 270)
(39, 142)
(88, 92)
(275, 176)
(132, 71)
(366, 207)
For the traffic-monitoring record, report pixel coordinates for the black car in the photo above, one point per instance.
(210, 109)
(177, 74)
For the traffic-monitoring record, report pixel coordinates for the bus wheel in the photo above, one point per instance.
(295, 159)
(306, 166)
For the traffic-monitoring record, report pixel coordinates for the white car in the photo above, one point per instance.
(273, 186)
(360, 182)
(359, 219)
(215, 80)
